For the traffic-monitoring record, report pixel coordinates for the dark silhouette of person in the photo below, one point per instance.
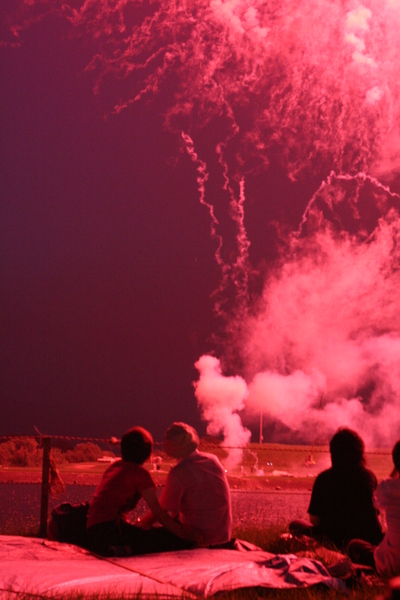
(123, 484)
(341, 506)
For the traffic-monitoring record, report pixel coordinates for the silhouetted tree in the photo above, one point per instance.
(84, 452)
(21, 452)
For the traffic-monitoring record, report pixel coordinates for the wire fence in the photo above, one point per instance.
(205, 443)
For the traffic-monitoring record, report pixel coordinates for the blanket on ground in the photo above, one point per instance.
(51, 569)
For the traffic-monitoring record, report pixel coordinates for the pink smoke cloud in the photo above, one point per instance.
(319, 83)
(220, 399)
(322, 347)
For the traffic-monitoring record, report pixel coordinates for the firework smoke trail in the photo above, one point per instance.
(202, 177)
(320, 81)
(317, 85)
(240, 267)
(359, 179)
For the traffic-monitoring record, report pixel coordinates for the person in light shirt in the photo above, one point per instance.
(197, 490)
(385, 557)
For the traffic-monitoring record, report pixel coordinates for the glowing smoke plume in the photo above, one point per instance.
(316, 85)
(324, 340)
(220, 399)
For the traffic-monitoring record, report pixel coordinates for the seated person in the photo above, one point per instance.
(385, 557)
(341, 506)
(196, 490)
(123, 484)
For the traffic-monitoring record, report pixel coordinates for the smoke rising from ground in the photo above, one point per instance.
(317, 85)
(324, 339)
(220, 399)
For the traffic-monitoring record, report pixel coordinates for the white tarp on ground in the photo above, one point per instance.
(50, 569)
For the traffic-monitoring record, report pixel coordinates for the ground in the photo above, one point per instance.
(85, 477)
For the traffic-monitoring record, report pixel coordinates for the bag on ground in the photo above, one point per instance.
(67, 523)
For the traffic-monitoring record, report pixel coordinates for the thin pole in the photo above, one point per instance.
(44, 503)
(261, 426)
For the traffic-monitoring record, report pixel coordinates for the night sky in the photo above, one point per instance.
(109, 260)
(106, 259)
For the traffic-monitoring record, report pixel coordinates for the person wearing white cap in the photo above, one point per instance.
(196, 490)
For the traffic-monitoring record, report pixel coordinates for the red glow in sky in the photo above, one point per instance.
(239, 199)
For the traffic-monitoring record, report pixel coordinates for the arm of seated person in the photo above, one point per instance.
(159, 514)
(146, 520)
(315, 520)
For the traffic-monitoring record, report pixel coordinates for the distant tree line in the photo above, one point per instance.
(26, 452)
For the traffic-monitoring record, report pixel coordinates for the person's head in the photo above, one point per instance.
(180, 440)
(347, 449)
(136, 445)
(396, 455)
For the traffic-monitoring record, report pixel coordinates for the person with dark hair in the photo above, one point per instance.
(197, 490)
(341, 506)
(123, 484)
(136, 445)
(385, 557)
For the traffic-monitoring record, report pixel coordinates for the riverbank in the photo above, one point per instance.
(20, 506)
(84, 477)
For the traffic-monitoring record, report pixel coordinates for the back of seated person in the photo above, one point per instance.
(341, 505)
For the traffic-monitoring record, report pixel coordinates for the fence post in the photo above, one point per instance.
(44, 503)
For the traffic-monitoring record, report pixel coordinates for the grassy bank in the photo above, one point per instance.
(358, 588)
(270, 540)
(361, 591)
